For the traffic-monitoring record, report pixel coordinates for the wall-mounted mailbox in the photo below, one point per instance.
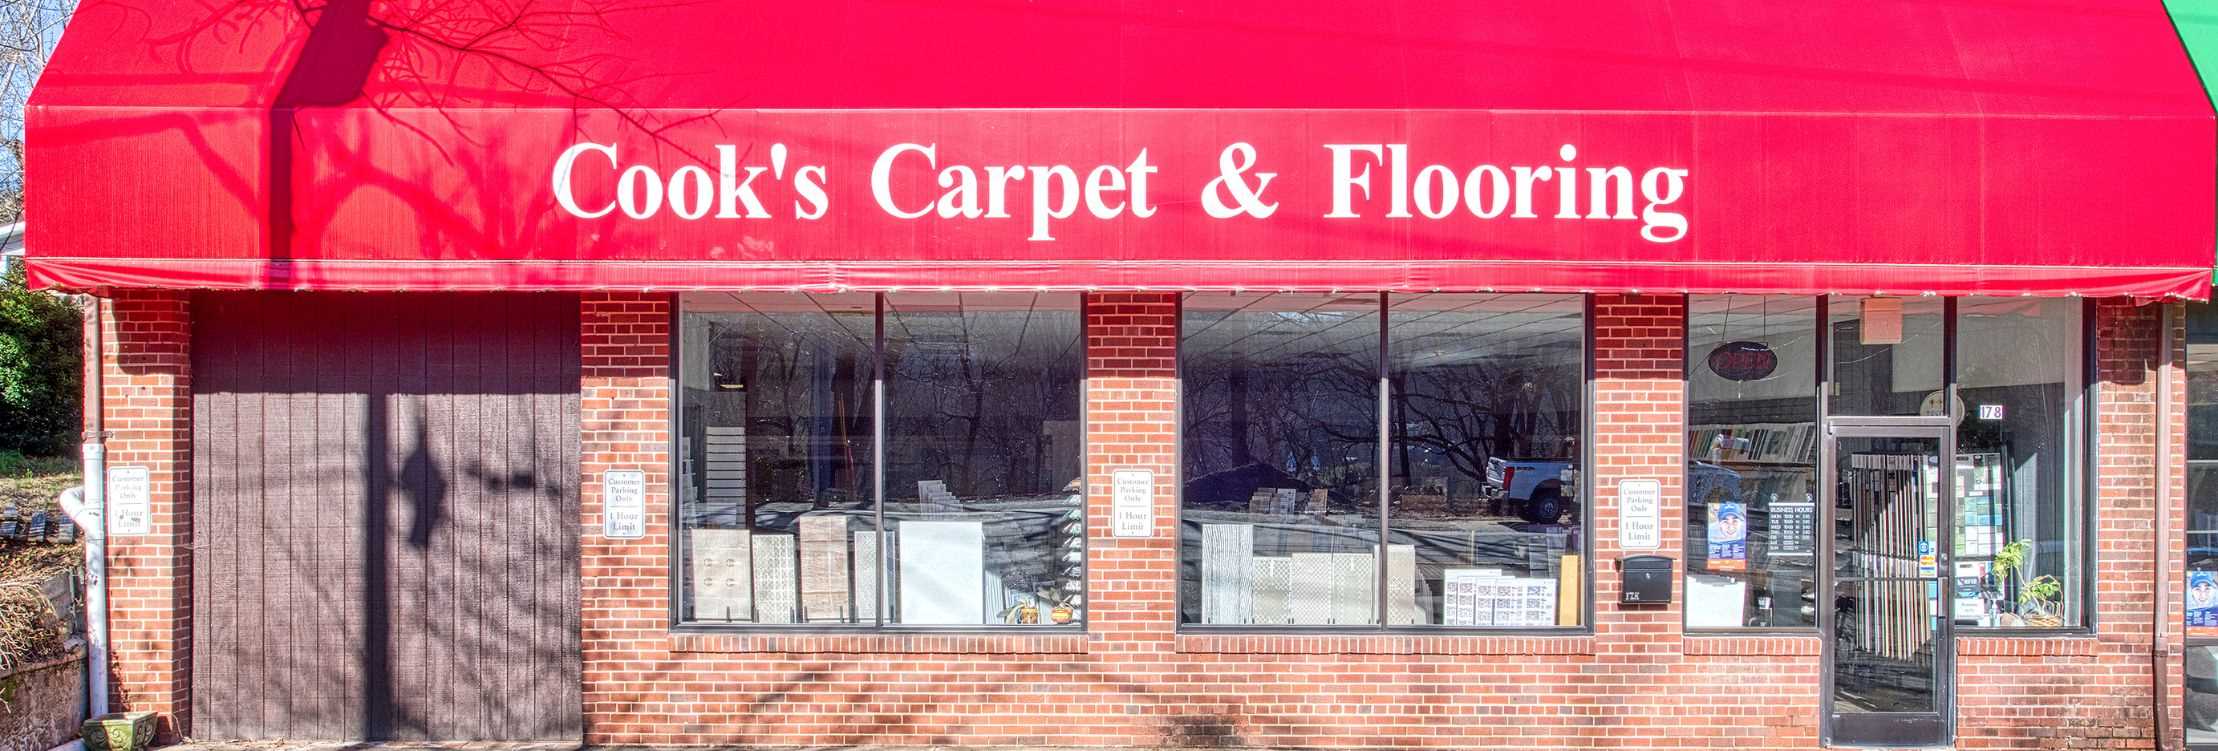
(1647, 580)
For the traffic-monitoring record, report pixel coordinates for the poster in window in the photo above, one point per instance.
(2202, 603)
(1728, 537)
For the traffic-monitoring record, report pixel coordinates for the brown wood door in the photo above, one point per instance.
(385, 516)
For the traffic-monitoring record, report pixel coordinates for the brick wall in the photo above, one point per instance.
(1131, 678)
(2095, 691)
(148, 390)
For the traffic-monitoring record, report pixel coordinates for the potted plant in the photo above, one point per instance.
(2037, 596)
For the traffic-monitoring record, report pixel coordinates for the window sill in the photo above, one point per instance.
(1387, 644)
(1752, 645)
(2063, 644)
(1066, 642)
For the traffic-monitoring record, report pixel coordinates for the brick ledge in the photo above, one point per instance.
(2062, 645)
(1057, 643)
(1752, 645)
(1386, 644)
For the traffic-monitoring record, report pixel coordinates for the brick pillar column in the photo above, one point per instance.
(1639, 404)
(2127, 336)
(624, 414)
(147, 368)
(1132, 423)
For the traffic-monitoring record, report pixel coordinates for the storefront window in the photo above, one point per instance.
(2202, 516)
(1286, 400)
(2201, 587)
(1752, 443)
(774, 451)
(1487, 397)
(984, 491)
(2019, 526)
(1887, 356)
(779, 513)
(1281, 504)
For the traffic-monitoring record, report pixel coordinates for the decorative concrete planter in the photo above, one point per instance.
(120, 731)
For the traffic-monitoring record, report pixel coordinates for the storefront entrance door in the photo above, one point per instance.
(1888, 650)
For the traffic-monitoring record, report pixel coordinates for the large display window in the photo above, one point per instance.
(862, 460)
(2200, 590)
(1383, 461)
(1752, 452)
(1764, 373)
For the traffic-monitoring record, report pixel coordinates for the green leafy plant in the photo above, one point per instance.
(2036, 596)
(2039, 595)
(39, 364)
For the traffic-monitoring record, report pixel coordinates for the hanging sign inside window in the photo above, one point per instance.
(1728, 537)
(623, 504)
(1743, 361)
(1640, 514)
(1882, 321)
(1132, 502)
(1793, 526)
(2202, 603)
(130, 501)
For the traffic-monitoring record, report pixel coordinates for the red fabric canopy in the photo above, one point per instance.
(1997, 148)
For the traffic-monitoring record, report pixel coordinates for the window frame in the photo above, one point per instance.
(1382, 375)
(675, 546)
(2082, 457)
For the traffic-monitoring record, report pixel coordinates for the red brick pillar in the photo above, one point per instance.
(1639, 400)
(624, 414)
(1132, 423)
(147, 368)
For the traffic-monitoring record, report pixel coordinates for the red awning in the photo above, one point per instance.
(1997, 148)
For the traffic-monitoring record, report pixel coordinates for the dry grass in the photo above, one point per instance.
(30, 630)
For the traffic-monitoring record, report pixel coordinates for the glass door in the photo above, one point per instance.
(1889, 651)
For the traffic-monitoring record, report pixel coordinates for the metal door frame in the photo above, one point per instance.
(1912, 731)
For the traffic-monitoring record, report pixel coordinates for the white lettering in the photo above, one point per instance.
(736, 192)
(812, 191)
(636, 178)
(1345, 180)
(881, 178)
(690, 192)
(1042, 212)
(1662, 186)
(1101, 183)
(1138, 172)
(565, 164)
(961, 197)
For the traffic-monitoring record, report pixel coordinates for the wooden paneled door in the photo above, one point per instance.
(385, 516)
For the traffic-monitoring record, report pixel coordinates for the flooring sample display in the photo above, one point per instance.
(1459, 603)
(1310, 600)
(777, 590)
(721, 563)
(1401, 586)
(934, 496)
(942, 572)
(824, 569)
(866, 577)
(1227, 596)
(1273, 581)
(1354, 589)
(724, 475)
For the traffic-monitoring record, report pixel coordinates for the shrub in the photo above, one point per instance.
(39, 369)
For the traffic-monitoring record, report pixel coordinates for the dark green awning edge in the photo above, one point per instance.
(2197, 23)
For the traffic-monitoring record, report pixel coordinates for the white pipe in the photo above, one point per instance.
(86, 505)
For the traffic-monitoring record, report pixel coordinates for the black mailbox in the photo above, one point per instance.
(1647, 580)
